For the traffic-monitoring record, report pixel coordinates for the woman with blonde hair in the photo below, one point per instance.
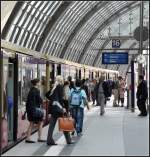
(58, 109)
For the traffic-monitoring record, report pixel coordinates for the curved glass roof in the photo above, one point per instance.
(78, 31)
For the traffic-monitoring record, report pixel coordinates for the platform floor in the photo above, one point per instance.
(118, 133)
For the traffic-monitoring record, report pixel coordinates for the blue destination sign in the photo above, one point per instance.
(115, 58)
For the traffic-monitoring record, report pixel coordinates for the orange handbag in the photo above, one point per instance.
(66, 124)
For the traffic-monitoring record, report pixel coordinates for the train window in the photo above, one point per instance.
(27, 71)
(42, 76)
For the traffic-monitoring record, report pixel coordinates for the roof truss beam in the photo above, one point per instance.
(103, 25)
(51, 23)
(80, 25)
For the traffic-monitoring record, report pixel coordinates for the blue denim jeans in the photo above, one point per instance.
(78, 115)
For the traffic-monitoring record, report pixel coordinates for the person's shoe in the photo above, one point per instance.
(121, 105)
(52, 144)
(39, 140)
(72, 142)
(145, 114)
(73, 133)
(140, 114)
(102, 113)
(79, 134)
(29, 141)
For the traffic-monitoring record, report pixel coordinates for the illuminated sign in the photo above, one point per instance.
(115, 58)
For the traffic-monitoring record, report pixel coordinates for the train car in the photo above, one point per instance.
(18, 67)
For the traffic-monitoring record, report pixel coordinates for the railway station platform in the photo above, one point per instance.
(119, 132)
(48, 44)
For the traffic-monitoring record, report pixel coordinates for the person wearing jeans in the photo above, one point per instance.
(77, 112)
(78, 115)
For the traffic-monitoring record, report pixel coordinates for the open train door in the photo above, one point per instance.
(10, 92)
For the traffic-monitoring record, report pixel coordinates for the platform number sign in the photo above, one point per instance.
(116, 43)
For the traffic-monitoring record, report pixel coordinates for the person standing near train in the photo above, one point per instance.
(92, 91)
(102, 94)
(34, 112)
(58, 109)
(121, 91)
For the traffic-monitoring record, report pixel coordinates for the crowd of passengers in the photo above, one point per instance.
(70, 98)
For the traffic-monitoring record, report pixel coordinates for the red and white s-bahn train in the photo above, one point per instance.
(18, 66)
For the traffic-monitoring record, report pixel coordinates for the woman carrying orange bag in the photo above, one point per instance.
(57, 110)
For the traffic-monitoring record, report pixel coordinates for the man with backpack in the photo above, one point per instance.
(77, 100)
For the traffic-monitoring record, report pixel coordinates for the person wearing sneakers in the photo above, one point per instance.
(77, 101)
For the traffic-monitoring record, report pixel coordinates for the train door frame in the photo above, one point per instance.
(13, 121)
(92, 75)
(108, 76)
(58, 69)
(80, 74)
(14, 61)
(52, 72)
(77, 73)
(1, 97)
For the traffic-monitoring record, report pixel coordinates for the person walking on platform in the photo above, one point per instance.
(57, 110)
(96, 93)
(102, 94)
(121, 91)
(92, 91)
(115, 92)
(78, 99)
(34, 112)
(141, 95)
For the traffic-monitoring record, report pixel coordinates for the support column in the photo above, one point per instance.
(1, 97)
(140, 71)
(16, 67)
(132, 87)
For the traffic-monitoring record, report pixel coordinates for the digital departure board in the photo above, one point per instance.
(115, 58)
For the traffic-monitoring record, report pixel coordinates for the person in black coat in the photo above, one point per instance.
(141, 95)
(34, 101)
(57, 110)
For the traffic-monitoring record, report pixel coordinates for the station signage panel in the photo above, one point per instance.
(115, 58)
(116, 43)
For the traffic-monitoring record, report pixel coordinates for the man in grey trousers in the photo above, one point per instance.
(102, 94)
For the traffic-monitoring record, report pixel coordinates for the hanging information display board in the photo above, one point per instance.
(115, 58)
